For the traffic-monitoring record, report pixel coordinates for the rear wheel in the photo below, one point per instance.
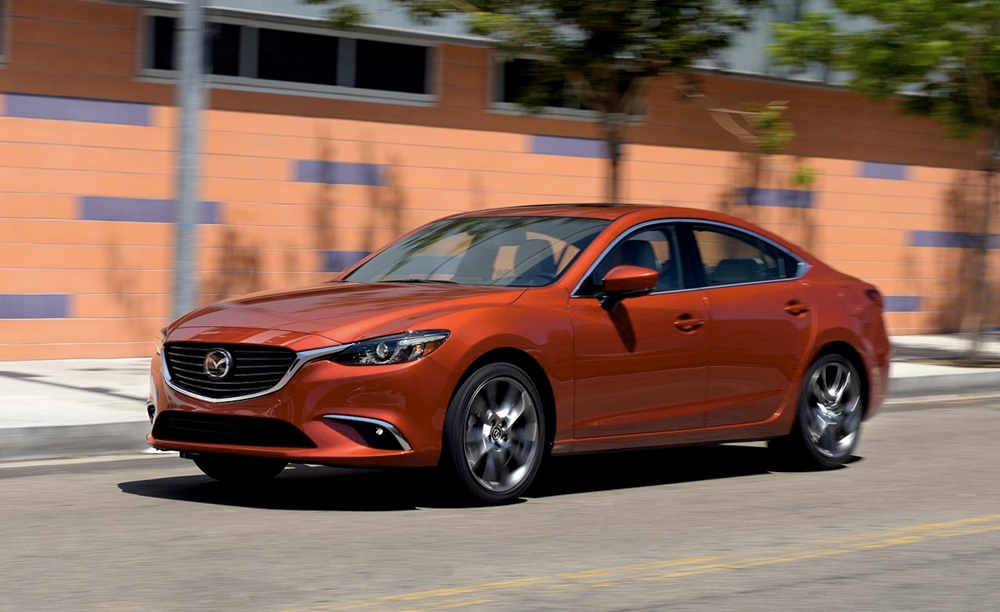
(239, 470)
(828, 422)
(495, 433)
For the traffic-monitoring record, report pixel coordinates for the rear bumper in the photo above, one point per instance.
(878, 372)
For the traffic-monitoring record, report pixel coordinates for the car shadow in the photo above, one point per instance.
(318, 488)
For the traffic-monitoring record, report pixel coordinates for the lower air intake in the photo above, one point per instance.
(227, 429)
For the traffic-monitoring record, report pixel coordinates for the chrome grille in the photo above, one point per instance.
(254, 369)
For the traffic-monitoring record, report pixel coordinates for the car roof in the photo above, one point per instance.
(610, 212)
(638, 213)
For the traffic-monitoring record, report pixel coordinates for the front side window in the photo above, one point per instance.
(503, 251)
(652, 247)
(731, 257)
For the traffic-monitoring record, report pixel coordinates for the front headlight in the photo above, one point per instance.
(397, 348)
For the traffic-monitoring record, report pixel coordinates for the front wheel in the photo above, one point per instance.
(235, 469)
(495, 433)
(828, 422)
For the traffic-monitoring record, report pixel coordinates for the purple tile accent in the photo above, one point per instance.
(951, 240)
(34, 306)
(902, 303)
(337, 261)
(881, 170)
(337, 173)
(77, 109)
(210, 212)
(570, 147)
(140, 210)
(786, 198)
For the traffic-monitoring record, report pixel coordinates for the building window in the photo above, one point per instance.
(527, 85)
(4, 24)
(161, 53)
(514, 77)
(296, 57)
(252, 55)
(391, 67)
(224, 48)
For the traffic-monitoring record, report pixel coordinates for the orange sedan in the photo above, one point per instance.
(485, 341)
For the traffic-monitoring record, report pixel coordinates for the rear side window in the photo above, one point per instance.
(733, 257)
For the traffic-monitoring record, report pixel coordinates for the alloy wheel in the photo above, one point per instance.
(501, 434)
(833, 408)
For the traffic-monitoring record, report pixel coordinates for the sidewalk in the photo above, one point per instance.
(77, 407)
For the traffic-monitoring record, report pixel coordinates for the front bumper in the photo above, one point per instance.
(338, 408)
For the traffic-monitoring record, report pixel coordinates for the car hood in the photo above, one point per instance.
(343, 312)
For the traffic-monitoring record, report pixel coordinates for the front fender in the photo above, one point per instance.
(537, 325)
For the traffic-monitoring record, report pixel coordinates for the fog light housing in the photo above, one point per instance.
(373, 433)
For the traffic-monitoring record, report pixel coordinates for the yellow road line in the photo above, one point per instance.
(456, 604)
(446, 598)
(549, 580)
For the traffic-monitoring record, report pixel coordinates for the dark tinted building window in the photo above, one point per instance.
(293, 57)
(518, 77)
(162, 47)
(391, 66)
(297, 57)
(3, 28)
(223, 49)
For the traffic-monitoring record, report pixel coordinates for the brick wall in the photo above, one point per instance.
(296, 187)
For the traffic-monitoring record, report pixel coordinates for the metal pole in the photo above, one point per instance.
(189, 101)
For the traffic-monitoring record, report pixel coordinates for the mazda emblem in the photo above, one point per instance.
(218, 362)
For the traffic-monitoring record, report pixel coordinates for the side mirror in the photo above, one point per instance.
(628, 281)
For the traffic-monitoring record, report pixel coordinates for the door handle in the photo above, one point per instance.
(796, 308)
(687, 323)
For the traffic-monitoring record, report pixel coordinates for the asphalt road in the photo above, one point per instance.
(912, 524)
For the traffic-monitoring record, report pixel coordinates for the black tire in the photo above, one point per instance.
(494, 456)
(235, 469)
(827, 423)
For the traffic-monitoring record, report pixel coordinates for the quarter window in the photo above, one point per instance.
(731, 257)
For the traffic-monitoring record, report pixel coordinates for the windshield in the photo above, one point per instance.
(506, 251)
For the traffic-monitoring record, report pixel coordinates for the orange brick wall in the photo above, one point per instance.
(273, 229)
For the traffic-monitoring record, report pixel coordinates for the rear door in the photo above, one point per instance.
(762, 322)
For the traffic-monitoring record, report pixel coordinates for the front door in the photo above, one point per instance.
(640, 366)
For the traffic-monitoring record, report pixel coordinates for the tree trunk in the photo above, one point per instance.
(614, 163)
(981, 295)
(614, 136)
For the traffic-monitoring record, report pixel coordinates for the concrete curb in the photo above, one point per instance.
(943, 384)
(46, 442)
(19, 443)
